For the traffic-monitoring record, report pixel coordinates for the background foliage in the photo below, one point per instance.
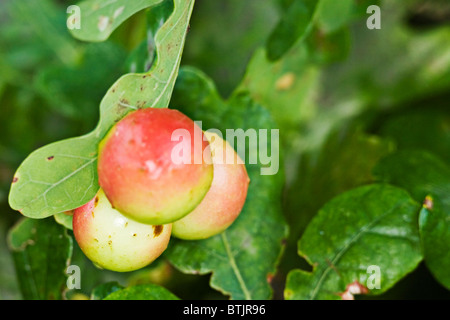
(364, 121)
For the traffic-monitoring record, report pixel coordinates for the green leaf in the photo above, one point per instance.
(42, 251)
(102, 291)
(333, 15)
(142, 292)
(56, 178)
(100, 18)
(63, 176)
(243, 257)
(373, 225)
(296, 23)
(422, 174)
(64, 219)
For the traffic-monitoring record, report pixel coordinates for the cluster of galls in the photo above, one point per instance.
(146, 196)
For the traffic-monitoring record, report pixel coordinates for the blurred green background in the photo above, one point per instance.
(358, 94)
